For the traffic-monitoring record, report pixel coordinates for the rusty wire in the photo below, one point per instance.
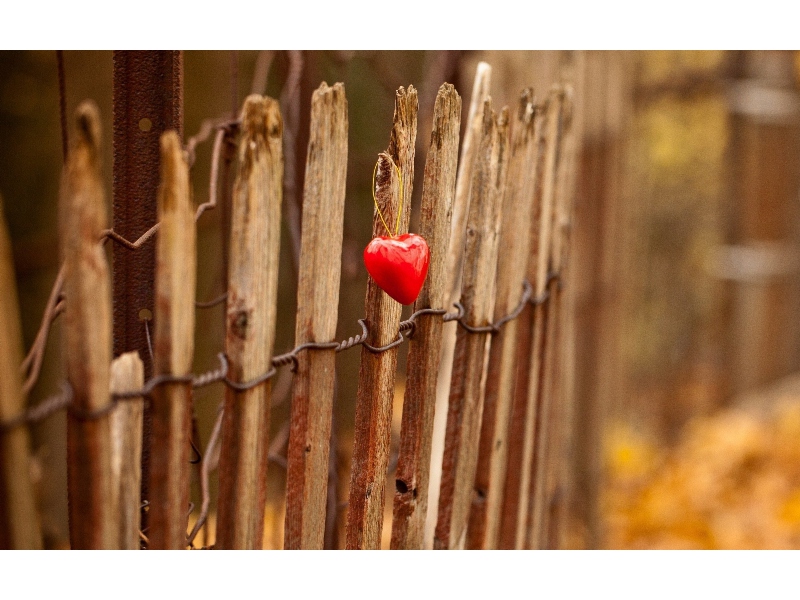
(220, 374)
(31, 366)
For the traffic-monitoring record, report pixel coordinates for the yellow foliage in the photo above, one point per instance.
(732, 481)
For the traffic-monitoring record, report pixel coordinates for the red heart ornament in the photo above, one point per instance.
(398, 265)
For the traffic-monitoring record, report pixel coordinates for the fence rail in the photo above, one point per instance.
(511, 209)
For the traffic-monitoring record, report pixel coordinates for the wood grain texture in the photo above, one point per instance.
(372, 432)
(471, 351)
(127, 374)
(173, 347)
(87, 336)
(19, 521)
(455, 255)
(251, 318)
(317, 310)
(416, 430)
(490, 474)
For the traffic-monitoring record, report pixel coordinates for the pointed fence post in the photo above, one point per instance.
(376, 375)
(317, 310)
(490, 476)
(453, 266)
(87, 338)
(173, 348)
(470, 358)
(251, 318)
(416, 431)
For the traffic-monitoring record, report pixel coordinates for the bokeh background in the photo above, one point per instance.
(684, 293)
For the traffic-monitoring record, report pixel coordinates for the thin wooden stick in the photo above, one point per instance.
(530, 523)
(469, 363)
(251, 317)
(552, 438)
(376, 375)
(176, 259)
(317, 310)
(466, 166)
(529, 340)
(438, 190)
(19, 522)
(127, 373)
(87, 337)
(455, 254)
(484, 521)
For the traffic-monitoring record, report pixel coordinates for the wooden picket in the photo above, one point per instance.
(498, 235)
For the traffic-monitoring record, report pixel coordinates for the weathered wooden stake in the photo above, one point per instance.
(471, 351)
(19, 521)
(552, 452)
(529, 343)
(176, 259)
(251, 317)
(127, 373)
(87, 337)
(537, 417)
(455, 256)
(514, 243)
(438, 190)
(317, 309)
(376, 375)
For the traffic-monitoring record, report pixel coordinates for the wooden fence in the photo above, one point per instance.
(489, 319)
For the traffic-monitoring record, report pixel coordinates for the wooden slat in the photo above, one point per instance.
(173, 347)
(416, 430)
(518, 489)
(87, 337)
(554, 453)
(127, 373)
(529, 329)
(469, 364)
(539, 394)
(317, 310)
(514, 243)
(251, 317)
(19, 522)
(455, 256)
(372, 432)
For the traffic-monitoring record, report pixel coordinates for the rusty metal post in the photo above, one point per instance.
(148, 100)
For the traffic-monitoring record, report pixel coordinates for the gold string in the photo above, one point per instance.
(378, 208)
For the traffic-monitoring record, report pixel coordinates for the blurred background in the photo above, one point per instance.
(684, 285)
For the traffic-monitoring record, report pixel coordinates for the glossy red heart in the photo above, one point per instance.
(398, 265)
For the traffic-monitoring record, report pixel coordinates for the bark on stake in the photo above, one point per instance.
(416, 430)
(377, 371)
(176, 259)
(529, 338)
(251, 315)
(127, 373)
(455, 255)
(317, 309)
(19, 521)
(514, 243)
(87, 337)
(469, 363)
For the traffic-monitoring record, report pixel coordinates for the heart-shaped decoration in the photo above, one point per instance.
(398, 264)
